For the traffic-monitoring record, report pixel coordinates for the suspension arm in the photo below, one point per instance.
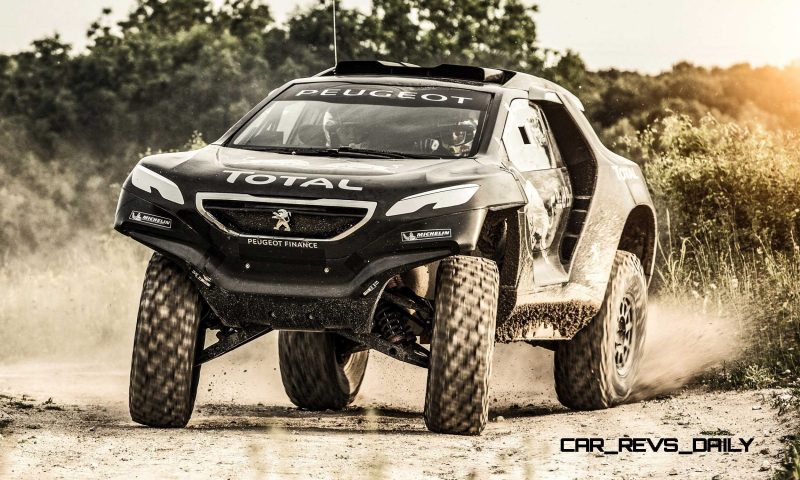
(231, 341)
(414, 354)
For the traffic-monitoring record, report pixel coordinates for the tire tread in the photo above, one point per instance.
(163, 381)
(582, 371)
(457, 396)
(311, 376)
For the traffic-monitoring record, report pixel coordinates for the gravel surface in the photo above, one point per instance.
(71, 421)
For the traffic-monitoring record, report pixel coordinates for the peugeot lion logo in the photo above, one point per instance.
(282, 217)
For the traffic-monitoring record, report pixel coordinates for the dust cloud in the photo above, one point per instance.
(71, 303)
(683, 341)
(522, 376)
(68, 317)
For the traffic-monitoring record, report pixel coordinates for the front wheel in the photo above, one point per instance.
(163, 383)
(597, 368)
(457, 397)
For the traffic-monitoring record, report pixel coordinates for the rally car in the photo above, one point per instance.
(425, 213)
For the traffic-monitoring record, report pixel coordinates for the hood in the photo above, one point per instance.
(228, 170)
(237, 158)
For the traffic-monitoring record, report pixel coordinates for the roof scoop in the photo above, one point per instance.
(456, 72)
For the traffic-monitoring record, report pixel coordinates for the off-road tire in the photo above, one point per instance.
(316, 374)
(587, 368)
(163, 383)
(457, 397)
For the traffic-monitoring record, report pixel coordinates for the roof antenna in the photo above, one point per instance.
(335, 51)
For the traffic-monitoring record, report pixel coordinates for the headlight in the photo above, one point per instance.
(441, 198)
(146, 179)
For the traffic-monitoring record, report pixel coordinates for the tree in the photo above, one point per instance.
(498, 33)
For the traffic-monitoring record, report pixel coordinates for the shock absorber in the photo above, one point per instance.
(391, 323)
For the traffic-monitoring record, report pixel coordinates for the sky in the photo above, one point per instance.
(644, 35)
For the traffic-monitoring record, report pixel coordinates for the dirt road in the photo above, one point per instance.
(244, 427)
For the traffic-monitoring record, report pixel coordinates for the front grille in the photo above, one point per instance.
(289, 220)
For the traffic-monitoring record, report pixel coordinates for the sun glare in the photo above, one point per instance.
(788, 50)
(793, 40)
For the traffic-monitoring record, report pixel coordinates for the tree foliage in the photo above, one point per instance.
(722, 181)
(172, 68)
(624, 102)
(175, 66)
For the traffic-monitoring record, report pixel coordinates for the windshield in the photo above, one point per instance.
(348, 119)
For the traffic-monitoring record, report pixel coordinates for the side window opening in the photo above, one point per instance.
(527, 138)
(581, 165)
(524, 134)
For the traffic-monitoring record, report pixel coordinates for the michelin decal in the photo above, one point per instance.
(150, 219)
(423, 235)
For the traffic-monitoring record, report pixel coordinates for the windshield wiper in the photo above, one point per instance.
(372, 152)
(388, 154)
(256, 148)
(336, 152)
(321, 151)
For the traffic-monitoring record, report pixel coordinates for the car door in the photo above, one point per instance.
(532, 151)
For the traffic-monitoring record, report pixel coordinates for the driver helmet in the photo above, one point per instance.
(457, 139)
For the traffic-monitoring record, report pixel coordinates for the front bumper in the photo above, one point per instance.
(334, 285)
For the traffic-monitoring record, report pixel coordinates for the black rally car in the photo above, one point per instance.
(384, 206)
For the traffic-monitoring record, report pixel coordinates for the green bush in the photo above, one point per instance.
(723, 181)
(728, 204)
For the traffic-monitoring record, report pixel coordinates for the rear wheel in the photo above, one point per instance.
(597, 368)
(457, 397)
(163, 382)
(319, 370)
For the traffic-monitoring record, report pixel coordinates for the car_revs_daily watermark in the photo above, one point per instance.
(621, 445)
